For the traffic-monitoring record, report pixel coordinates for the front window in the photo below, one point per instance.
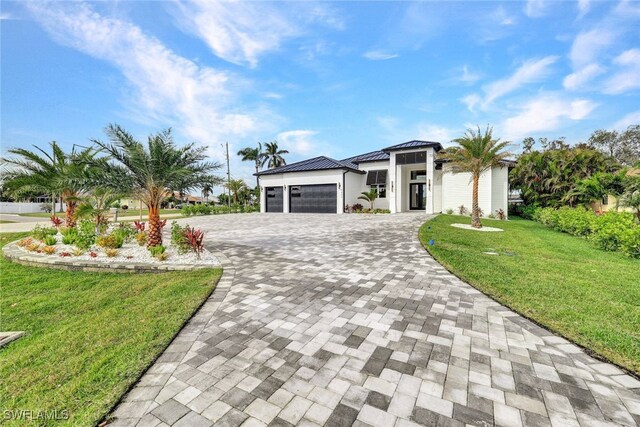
(381, 189)
(419, 175)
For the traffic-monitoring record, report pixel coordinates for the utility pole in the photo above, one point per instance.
(228, 179)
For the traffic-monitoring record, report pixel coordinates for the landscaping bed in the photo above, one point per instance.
(562, 282)
(89, 336)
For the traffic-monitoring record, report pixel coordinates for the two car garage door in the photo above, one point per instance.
(318, 198)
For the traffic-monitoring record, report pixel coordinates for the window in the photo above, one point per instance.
(605, 199)
(375, 177)
(420, 175)
(382, 190)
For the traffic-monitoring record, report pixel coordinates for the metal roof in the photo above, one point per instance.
(414, 144)
(373, 156)
(317, 163)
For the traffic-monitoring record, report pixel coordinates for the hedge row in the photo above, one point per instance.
(612, 231)
(191, 210)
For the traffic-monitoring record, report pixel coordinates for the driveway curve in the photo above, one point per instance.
(345, 320)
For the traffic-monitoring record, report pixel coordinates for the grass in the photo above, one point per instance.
(121, 213)
(562, 282)
(89, 336)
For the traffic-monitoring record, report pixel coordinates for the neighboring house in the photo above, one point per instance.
(610, 202)
(408, 177)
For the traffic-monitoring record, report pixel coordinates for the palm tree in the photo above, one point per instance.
(370, 196)
(272, 156)
(254, 155)
(96, 206)
(476, 152)
(207, 189)
(58, 173)
(236, 186)
(150, 171)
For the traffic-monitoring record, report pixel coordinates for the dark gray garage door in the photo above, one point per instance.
(320, 198)
(274, 199)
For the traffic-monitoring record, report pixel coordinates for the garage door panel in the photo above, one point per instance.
(274, 199)
(320, 198)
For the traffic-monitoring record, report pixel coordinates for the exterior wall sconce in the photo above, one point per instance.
(429, 185)
(339, 186)
(392, 186)
(285, 187)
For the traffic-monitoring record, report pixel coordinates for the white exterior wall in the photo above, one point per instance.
(457, 190)
(437, 191)
(361, 185)
(303, 178)
(353, 183)
(499, 189)
(27, 207)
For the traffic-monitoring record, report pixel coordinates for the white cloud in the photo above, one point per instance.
(238, 32)
(530, 71)
(299, 142)
(628, 76)
(377, 55)
(588, 45)
(468, 76)
(166, 89)
(578, 79)
(431, 132)
(536, 8)
(5, 16)
(628, 120)
(583, 7)
(545, 112)
(471, 101)
(394, 131)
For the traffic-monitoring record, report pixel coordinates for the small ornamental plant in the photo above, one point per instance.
(195, 238)
(33, 247)
(139, 225)
(156, 250)
(162, 257)
(141, 238)
(65, 254)
(462, 210)
(111, 253)
(49, 250)
(50, 240)
(77, 252)
(57, 222)
(501, 215)
(23, 243)
(93, 254)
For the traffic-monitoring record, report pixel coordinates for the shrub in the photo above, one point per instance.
(162, 257)
(195, 238)
(86, 234)
(491, 216)
(40, 232)
(112, 241)
(140, 226)
(610, 229)
(32, 247)
(55, 221)
(178, 237)
(66, 230)
(77, 252)
(524, 211)
(500, 214)
(462, 210)
(111, 252)
(357, 207)
(49, 250)
(141, 238)
(50, 240)
(70, 238)
(630, 243)
(125, 231)
(449, 211)
(23, 243)
(157, 250)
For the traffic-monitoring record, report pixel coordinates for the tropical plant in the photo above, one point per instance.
(253, 154)
(195, 239)
(149, 171)
(622, 146)
(236, 186)
(96, 205)
(476, 152)
(57, 222)
(370, 196)
(207, 189)
(631, 195)
(273, 156)
(55, 173)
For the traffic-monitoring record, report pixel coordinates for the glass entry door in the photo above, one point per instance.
(417, 196)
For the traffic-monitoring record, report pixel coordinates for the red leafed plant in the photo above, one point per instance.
(140, 225)
(93, 254)
(162, 223)
(55, 221)
(65, 254)
(195, 238)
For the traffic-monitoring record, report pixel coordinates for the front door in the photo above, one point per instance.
(417, 196)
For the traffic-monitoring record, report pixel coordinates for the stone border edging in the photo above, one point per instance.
(14, 254)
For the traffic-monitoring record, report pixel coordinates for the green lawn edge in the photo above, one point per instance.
(561, 282)
(90, 336)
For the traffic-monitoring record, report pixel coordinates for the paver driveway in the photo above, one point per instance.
(340, 320)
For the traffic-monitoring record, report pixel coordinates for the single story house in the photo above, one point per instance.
(407, 176)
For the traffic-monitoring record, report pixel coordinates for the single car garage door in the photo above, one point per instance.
(274, 199)
(321, 198)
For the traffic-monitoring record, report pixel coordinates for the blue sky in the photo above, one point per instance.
(326, 78)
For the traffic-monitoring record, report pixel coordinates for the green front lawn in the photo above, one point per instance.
(121, 213)
(89, 336)
(563, 282)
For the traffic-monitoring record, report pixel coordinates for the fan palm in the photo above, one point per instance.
(476, 152)
(370, 196)
(236, 186)
(207, 189)
(272, 155)
(254, 155)
(56, 173)
(149, 172)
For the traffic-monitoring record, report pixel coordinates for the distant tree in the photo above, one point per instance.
(273, 156)
(475, 153)
(253, 154)
(207, 189)
(236, 186)
(527, 144)
(624, 147)
(370, 196)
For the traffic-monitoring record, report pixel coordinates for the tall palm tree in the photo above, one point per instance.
(55, 173)
(149, 171)
(254, 155)
(207, 189)
(272, 156)
(476, 152)
(370, 196)
(236, 186)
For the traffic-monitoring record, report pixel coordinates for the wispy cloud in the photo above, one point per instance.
(468, 77)
(5, 16)
(588, 45)
(530, 71)
(378, 55)
(545, 112)
(166, 89)
(580, 78)
(536, 8)
(583, 7)
(628, 120)
(627, 77)
(303, 143)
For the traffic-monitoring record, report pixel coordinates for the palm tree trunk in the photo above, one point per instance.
(155, 230)
(475, 209)
(70, 214)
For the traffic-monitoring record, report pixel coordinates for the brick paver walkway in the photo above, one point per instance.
(341, 320)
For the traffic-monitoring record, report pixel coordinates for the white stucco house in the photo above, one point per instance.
(408, 177)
